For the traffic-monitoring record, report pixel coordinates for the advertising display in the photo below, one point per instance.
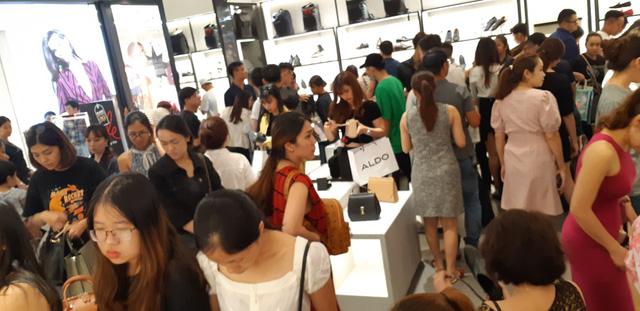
(104, 113)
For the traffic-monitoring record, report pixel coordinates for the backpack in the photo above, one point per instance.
(357, 10)
(243, 25)
(282, 23)
(311, 17)
(394, 7)
(179, 43)
(339, 235)
(211, 37)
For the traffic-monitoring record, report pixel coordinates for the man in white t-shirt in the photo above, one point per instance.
(614, 23)
(209, 104)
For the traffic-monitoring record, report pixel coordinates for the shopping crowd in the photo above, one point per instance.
(182, 222)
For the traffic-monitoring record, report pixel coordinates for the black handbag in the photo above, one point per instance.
(51, 256)
(311, 17)
(244, 26)
(339, 164)
(357, 11)
(211, 37)
(282, 23)
(364, 206)
(394, 7)
(179, 43)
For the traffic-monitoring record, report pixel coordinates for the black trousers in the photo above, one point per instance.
(404, 163)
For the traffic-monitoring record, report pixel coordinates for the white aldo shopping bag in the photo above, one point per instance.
(375, 159)
(259, 158)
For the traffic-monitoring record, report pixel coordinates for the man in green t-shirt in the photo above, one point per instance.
(390, 98)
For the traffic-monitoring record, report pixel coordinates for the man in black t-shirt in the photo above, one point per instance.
(189, 103)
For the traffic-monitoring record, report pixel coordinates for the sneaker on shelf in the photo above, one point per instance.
(456, 35)
(448, 37)
(403, 39)
(498, 23)
(187, 74)
(401, 47)
(363, 46)
(621, 5)
(627, 12)
(296, 61)
(490, 23)
(319, 52)
(291, 59)
(462, 62)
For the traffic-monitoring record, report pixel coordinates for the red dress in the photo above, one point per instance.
(317, 217)
(605, 287)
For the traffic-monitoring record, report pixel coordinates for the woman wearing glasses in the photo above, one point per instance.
(141, 265)
(144, 152)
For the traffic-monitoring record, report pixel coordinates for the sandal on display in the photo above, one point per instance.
(498, 23)
(291, 59)
(490, 23)
(304, 85)
(621, 5)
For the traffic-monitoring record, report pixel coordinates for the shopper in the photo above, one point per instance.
(273, 107)
(551, 52)
(604, 176)
(10, 193)
(144, 151)
(459, 97)
(390, 64)
(428, 130)
(23, 285)
(532, 156)
(591, 64)
(238, 119)
(567, 23)
(233, 168)
(98, 142)
(292, 143)
(449, 299)
(209, 105)
(15, 154)
(255, 79)
(409, 67)
(533, 43)
(504, 54)
(246, 263)
(483, 81)
(182, 177)
(390, 98)
(49, 115)
(520, 34)
(456, 72)
(614, 22)
(63, 184)
(322, 105)
(367, 84)
(141, 264)
(270, 76)
(74, 129)
(189, 103)
(534, 266)
(237, 74)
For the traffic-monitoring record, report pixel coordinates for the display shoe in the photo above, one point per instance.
(456, 35)
(462, 62)
(304, 85)
(296, 61)
(187, 74)
(378, 43)
(401, 47)
(403, 39)
(621, 5)
(363, 46)
(291, 59)
(627, 12)
(448, 37)
(498, 23)
(319, 52)
(490, 23)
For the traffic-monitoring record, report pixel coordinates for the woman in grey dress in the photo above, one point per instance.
(437, 189)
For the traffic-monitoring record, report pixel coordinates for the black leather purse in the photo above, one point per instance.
(364, 206)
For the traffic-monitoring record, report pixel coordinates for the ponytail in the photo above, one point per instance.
(550, 50)
(512, 76)
(423, 82)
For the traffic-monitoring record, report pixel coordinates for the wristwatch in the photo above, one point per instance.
(368, 132)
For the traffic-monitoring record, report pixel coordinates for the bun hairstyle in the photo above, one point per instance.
(622, 116)
(550, 50)
(511, 76)
(424, 84)
(213, 133)
(620, 52)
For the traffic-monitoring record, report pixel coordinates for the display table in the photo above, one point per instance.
(383, 257)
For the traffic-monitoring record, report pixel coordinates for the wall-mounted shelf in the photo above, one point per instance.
(381, 20)
(453, 6)
(302, 35)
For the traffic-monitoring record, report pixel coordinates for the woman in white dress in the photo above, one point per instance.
(250, 267)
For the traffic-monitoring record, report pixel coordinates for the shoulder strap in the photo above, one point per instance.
(304, 267)
(592, 73)
(206, 169)
(497, 305)
(287, 183)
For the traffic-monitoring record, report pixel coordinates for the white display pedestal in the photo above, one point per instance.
(383, 257)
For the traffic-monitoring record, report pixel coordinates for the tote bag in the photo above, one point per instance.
(375, 159)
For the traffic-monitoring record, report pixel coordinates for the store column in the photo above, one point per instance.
(227, 31)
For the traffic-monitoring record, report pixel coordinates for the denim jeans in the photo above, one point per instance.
(471, 197)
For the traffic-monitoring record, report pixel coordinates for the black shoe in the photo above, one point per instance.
(498, 23)
(363, 46)
(448, 37)
(456, 35)
(490, 23)
(296, 61)
(403, 39)
(621, 5)
(462, 62)
(401, 47)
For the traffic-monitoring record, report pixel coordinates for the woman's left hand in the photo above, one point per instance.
(75, 230)
(362, 129)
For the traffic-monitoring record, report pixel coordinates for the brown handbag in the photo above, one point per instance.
(82, 302)
(385, 189)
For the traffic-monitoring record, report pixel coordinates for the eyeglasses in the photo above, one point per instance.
(136, 135)
(117, 234)
(573, 21)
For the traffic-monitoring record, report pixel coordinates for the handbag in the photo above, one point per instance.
(179, 42)
(211, 37)
(364, 206)
(357, 11)
(304, 268)
(339, 164)
(80, 262)
(51, 256)
(384, 188)
(282, 23)
(83, 302)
